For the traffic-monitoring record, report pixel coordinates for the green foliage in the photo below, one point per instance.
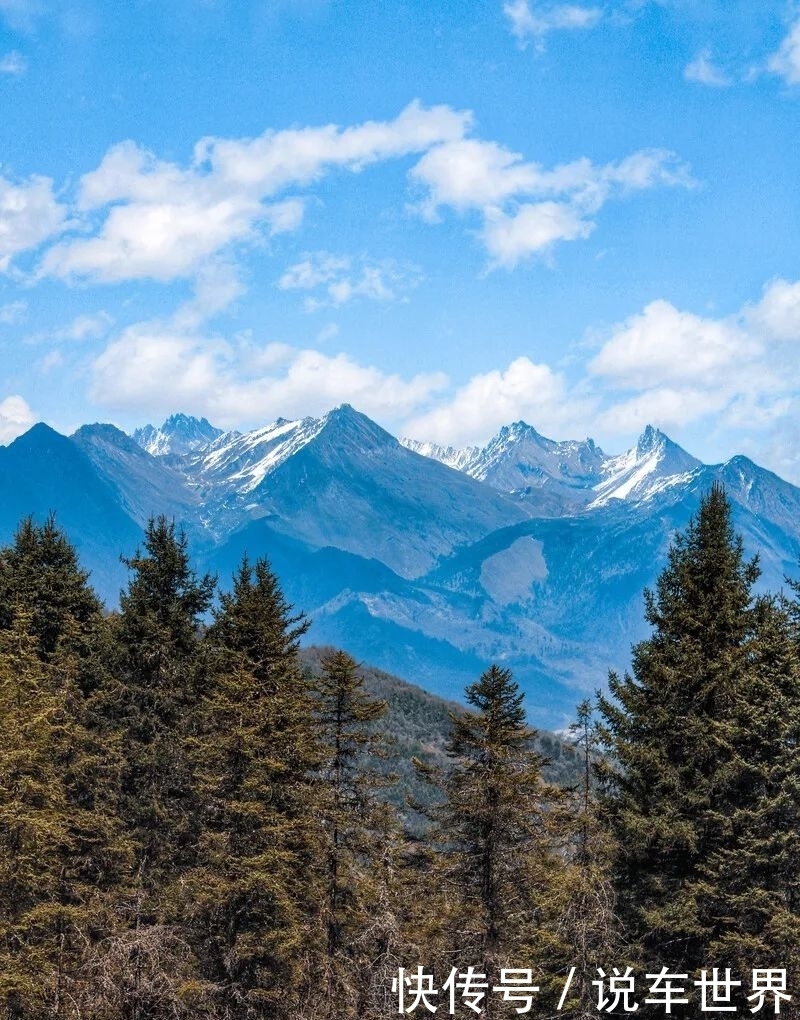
(194, 824)
(360, 836)
(39, 573)
(60, 852)
(494, 866)
(250, 899)
(701, 735)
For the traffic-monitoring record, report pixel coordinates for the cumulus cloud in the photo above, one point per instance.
(29, 215)
(526, 390)
(152, 368)
(704, 71)
(16, 417)
(664, 344)
(786, 61)
(672, 367)
(339, 279)
(163, 221)
(473, 175)
(533, 20)
(13, 63)
(532, 228)
(777, 314)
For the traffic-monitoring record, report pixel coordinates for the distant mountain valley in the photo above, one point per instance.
(428, 562)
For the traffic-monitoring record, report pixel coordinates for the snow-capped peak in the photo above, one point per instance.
(652, 465)
(518, 459)
(180, 434)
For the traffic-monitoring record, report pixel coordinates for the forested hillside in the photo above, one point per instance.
(197, 821)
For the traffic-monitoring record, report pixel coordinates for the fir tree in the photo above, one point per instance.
(152, 688)
(677, 730)
(143, 707)
(361, 841)
(497, 869)
(585, 932)
(252, 896)
(750, 884)
(40, 573)
(61, 850)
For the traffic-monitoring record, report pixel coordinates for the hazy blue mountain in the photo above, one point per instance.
(44, 472)
(343, 481)
(145, 485)
(429, 563)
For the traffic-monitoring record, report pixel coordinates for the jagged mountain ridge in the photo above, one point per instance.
(425, 570)
(567, 475)
(180, 434)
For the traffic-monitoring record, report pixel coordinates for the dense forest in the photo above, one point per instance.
(196, 821)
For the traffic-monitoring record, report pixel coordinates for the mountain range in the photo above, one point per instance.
(429, 562)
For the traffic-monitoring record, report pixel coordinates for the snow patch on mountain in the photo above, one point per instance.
(242, 462)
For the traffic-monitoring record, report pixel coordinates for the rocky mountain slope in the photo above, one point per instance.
(430, 563)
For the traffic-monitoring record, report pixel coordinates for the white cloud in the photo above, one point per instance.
(163, 221)
(13, 63)
(86, 327)
(474, 175)
(489, 400)
(216, 286)
(786, 61)
(672, 368)
(313, 271)
(339, 279)
(533, 20)
(530, 229)
(16, 417)
(470, 173)
(13, 312)
(704, 71)
(328, 332)
(29, 215)
(153, 369)
(667, 345)
(777, 314)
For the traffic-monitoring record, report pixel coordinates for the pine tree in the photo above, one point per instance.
(498, 869)
(362, 842)
(40, 573)
(750, 884)
(151, 689)
(586, 932)
(677, 731)
(142, 707)
(252, 897)
(61, 851)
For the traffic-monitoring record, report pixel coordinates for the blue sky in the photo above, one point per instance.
(585, 215)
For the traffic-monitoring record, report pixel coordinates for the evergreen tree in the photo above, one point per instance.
(61, 852)
(252, 896)
(750, 884)
(152, 687)
(679, 733)
(143, 707)
(361, 842)
(498, 871)
(40, 573)
(586, 932)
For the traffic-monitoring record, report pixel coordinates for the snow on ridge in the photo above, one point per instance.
(247, 459)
